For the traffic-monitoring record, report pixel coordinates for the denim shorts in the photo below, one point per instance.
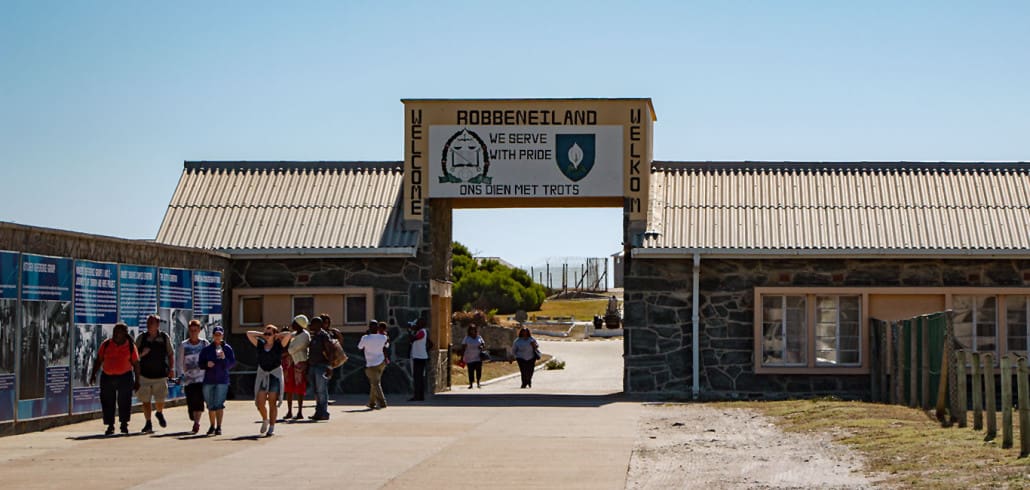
(215, 395)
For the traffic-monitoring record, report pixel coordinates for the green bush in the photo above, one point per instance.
(491, 285)
(555, 363)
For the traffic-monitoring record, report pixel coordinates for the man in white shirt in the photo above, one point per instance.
(373, 344)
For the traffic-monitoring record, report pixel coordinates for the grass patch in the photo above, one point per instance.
(491, 370)
(906, 445)
(581, 309)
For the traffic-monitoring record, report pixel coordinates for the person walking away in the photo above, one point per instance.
(216, 359)
(319, 373)
(524, 350)
(374, 345)
(157, 366)
(419, 357)
(473, 355)
(295, 367)
(191, 374)
(118, 363)
(268, 385)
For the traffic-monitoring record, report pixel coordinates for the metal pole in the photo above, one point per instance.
(1006, 402)
(695, 320)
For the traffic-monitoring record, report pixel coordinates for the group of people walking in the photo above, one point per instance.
(145, 366)
(524, 350)
(288, 362)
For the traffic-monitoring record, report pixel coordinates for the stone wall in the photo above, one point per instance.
(658, 309)
(61, 243)
(401, 293)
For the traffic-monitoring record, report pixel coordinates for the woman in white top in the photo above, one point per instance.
(295, 366)
(473, 355)
(373, 345)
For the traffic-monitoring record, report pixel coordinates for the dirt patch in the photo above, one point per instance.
(701, 446)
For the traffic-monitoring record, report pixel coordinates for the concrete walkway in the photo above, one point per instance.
(496, 437)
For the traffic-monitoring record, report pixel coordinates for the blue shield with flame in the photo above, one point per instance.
(575, 154)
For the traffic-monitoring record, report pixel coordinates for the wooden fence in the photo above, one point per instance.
(918, 363)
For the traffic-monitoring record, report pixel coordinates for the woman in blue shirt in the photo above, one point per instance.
(216, 359)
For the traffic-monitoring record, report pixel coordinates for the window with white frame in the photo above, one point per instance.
(355, 309)
(304, 305)
(976, 322)
(784, 331)
(1017, 316)
(251, 310)
(811, 330)
(838, 340)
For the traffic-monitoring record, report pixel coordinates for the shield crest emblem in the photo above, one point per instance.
(575, 154)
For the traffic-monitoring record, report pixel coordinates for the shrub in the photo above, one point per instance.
(491, 286)
(555, 363)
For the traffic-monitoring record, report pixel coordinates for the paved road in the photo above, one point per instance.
(497, 437)
(591, 368)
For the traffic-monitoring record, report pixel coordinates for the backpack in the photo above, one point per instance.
(335, 354)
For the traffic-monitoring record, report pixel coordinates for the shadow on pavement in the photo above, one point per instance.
(102, 436)
(522, 400)
(173, 434)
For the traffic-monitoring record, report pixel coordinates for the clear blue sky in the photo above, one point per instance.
(101, 101)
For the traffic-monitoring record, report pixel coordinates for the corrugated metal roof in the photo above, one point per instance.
(286, 206)
(871, 206)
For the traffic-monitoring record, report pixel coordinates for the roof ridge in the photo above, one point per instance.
(817, 166)
(243, 165)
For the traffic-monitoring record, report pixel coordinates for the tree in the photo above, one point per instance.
(491, 285)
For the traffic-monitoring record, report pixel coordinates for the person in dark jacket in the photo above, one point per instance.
(216, 359)
(319, 373)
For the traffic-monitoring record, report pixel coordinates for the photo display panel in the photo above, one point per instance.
(8, 332)
(45, 361)
(96, 312)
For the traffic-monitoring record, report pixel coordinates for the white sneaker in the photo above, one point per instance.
(264, 426)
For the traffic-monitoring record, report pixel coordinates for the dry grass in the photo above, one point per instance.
(907, 446)
(491, 370)
(581, 309)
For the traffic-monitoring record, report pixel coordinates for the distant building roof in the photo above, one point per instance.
(289, 208)
(874, 208)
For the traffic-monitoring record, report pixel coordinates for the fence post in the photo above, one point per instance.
(924, 362)
(1022, 390)
(960, 374)
(896, 364)
(876, 366)
(978, 391)
(942, 385)
(992, 413)
(913, 363)
(1006, 402)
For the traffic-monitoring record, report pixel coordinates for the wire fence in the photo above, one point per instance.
(572, 273)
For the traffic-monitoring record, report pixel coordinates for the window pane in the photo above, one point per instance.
(986, 323)
(784, 330)
(1016, 315)
(838, 333)
(963, 320)
(304, 305)
(251, 313)
(355, 309)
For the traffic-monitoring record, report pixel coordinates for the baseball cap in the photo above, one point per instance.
(218, 330)
(301, 320)
(373, 323)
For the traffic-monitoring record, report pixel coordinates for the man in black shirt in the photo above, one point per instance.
(157, 365)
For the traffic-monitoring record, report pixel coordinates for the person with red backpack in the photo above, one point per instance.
(119, 362)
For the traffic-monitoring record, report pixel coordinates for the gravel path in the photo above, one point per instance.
(700, 446)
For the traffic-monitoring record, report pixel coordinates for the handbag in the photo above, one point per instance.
(484, 356)
(536, 354)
